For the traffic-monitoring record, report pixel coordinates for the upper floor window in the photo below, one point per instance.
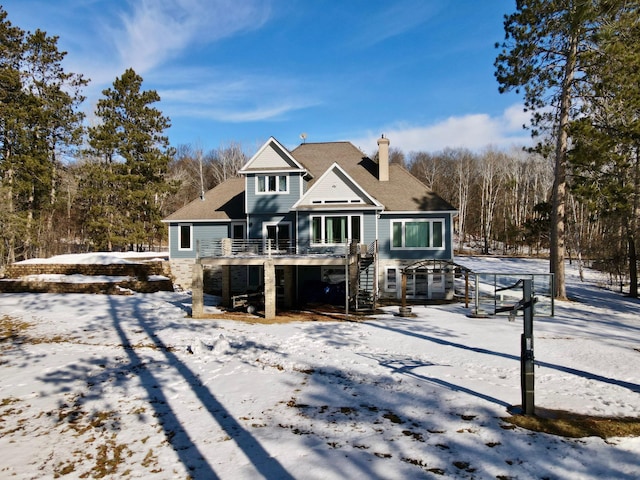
(417, 234)
(335, 229)
(272, 184)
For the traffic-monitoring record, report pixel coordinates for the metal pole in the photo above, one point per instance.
(346, 281)
(404, 290)
(526, 351)
(466, 289)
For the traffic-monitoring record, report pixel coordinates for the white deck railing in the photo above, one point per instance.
(227, 247)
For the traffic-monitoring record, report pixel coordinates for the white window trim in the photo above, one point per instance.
(276, 224)
(430, 221)
(267, 192)
(323, 233)
(398, 274)
(180, 247)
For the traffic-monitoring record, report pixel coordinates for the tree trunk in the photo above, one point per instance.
(632, 227)
(557, 247)
(11, 234)
(633, 265)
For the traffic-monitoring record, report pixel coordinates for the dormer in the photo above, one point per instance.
(272, 157)
(273, 179)
(335, 189)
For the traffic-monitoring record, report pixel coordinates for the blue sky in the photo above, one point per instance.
(419, 71)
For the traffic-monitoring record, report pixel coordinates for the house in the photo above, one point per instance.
(321, 215)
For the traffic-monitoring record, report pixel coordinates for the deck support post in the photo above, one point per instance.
(226, 286)
(289, 286)
(197, 290)
(269, 290)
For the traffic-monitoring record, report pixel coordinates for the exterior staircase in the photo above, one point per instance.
(362, 277)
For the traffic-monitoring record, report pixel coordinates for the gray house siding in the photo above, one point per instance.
(200, 231)
(256, 222)
(272, 203)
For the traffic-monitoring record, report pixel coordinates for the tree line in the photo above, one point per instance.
(576, 64)
(66, 186)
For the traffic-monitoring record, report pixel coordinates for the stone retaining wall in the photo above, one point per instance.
(138, 270)
(111, 288)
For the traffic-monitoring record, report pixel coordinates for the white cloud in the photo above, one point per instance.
(234, 96)
(472, 131)
(158, 30)
(262, 112)
(392, 19)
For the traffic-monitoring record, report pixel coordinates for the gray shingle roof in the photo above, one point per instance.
(223, 202)
(402, 193)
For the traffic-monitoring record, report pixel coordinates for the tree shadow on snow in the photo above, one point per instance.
(185, 447)
(634, 387)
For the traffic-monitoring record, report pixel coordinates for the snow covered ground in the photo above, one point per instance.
(96, 386)
(99, 258)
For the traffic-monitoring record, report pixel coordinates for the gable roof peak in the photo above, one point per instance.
(272, 155)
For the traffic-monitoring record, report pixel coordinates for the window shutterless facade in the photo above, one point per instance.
(417, 234)
(272, 184)
(185, 236)
(335, 228)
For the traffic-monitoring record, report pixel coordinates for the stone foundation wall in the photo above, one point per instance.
(182, 272)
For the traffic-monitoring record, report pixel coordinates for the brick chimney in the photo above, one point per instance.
(383, 159)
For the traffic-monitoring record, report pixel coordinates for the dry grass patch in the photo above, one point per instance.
(574, 425)
(328, 314)
(12, 330)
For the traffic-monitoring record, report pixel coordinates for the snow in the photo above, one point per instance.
(99, 258)
(78, 278)
(105, 386)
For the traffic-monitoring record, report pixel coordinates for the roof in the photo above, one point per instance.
(271, 156)
(401, 193)
(223, 202)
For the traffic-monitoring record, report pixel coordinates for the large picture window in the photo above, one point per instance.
(185, 240)
(335, 228)
(417, 234)
(272, 184)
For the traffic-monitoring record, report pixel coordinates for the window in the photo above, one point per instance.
(335, 228)
(184, 236)
(391, 279)
(272, 184)
(421, 283)
(417, 234)
(238, 231)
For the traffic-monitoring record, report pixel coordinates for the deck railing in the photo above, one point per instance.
(227, 247)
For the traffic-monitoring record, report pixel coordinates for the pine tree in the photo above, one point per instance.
(128, 183)
(542, 53)
(39, 118)
(11, 99)
(606, 153)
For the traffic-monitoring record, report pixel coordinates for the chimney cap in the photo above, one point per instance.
(383, 140)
